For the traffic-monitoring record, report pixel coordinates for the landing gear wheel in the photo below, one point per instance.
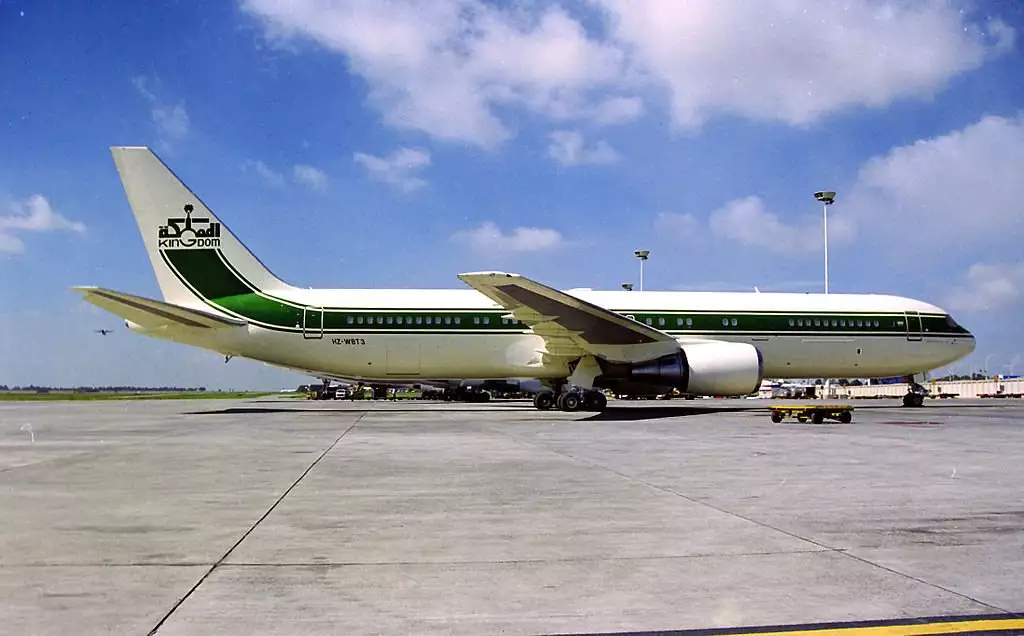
(544, 400)
(776, 417)
(846, 417)
(570, 401)
(817, 417)
(913, 400)
(596, 401)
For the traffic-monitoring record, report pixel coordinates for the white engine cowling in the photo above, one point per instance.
(706, 368)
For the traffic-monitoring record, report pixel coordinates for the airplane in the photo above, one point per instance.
(103, 332)
(219, 296)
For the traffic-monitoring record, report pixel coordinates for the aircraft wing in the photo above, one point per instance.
(154, 314)
(569, 326)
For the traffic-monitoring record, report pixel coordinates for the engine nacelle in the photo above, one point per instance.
(706, 368)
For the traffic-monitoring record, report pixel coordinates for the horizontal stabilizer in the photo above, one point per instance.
(154, 314)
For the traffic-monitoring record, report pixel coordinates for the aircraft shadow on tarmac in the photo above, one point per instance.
(249, 410)
(626, 414)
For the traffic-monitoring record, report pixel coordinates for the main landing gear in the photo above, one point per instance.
(572, 400)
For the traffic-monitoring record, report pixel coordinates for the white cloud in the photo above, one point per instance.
(310, 176)
(397, 169)
(748, 222)
(264, 172)
(618, 110)
(960, 189)
(488, 238)
(987, 288)
(567, 148)
(442, 67)
(34, 214)
(171, 119)
(446, 68)
(680, 225)
(797, 62)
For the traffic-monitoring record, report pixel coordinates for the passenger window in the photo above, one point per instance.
(734, 322)
(476, 320)
(427, 320)
(487, 320)
(359, 320)
(419, 320)
(817, 322)
(390, 320)
(458, 320)
(504, 321)
(725, 322)
(842, 323)
(876, 323)
(860, 323)
(689, 322)
(800, 322)
(349, 320)
(792, 322)
(661, 322)
(679, 322)
(647, 320)
(437, 320)
(447, 320)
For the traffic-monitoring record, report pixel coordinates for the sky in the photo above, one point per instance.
(395, 144)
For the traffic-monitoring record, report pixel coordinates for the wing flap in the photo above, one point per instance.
(570, 326)
(153, 314)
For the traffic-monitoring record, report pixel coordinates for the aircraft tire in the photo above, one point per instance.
(544, 400)
(570, 401)
(817, 417)
(913, 400)
(596, 401)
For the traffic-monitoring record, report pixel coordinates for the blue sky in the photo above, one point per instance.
(369, 144)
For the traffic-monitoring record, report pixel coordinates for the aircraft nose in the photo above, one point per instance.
(971, 344)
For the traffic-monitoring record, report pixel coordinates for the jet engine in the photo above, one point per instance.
(706, 368)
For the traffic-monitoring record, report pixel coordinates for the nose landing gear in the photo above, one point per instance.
(915, 393)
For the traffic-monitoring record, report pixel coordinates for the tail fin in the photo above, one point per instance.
(189, 247)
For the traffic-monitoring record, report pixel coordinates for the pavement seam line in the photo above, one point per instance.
(253, 527)
(825, 548)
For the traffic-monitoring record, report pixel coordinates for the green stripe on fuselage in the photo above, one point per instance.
(208, 273)
(210, 277)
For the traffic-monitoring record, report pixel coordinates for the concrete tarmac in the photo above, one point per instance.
(288, 516)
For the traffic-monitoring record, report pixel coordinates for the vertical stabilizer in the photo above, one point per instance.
(175, 223)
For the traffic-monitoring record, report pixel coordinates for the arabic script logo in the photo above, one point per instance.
(186, 232)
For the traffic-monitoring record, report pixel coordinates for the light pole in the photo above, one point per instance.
(627, 286)
(642, 255)
(827, 198)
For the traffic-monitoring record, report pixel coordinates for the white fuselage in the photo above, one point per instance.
(408, 351)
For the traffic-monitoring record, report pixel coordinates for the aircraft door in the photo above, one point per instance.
(312, 322)
(913, 326)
